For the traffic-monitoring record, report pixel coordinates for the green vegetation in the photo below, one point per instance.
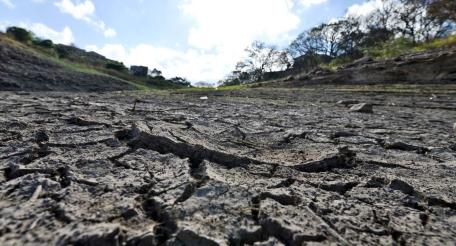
(234, 87)
(402, 46)
(46, 43)
(20, 34)
(118, 66)
(339, 61)
(394, 48)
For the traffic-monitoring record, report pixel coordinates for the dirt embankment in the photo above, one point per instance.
(430, 67)
(22, 69)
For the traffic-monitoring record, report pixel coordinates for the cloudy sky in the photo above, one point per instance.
(198, 39)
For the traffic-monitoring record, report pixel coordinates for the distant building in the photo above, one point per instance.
(139, 71)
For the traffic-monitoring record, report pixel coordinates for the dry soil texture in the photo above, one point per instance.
(262, 167)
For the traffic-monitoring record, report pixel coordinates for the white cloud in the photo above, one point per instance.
(365, 8)
(191, 64)
(40, 30)
(221, 31)
(234, 24)
(7, 3)
(310, 3)
(109, 33)
(3, 26)
(85, 11)
(112, 51)
(81, 11)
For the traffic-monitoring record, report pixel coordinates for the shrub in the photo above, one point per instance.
(116, 66)
(438, 43)
(20, 34)
(62, 51)
(393, 48)
(180, 81)
(46, 43)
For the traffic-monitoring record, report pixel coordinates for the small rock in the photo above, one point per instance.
(376, 182)
(41, 136)
(454, 127)
(402, 186)
(292, 134)
(129, 212)
(113, 142)
(188, 124)
(362, 108)
(204, 98)
(133, 132)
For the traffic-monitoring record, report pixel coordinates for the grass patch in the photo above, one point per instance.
(339, 61)
(395, 48)
(403, 46)
(235, 87)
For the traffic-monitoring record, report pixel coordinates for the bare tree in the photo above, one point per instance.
(409, 16)
(308, 42)
(385, 16)
(423, 20)
(417, 20)
(261, 58)
(284, 60)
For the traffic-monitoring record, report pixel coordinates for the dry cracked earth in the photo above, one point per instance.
(250, 167)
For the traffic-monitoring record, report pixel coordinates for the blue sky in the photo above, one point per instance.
(197, 39)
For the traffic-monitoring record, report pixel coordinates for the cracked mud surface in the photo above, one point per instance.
(256, 167)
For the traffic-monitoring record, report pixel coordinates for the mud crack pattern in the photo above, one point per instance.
(250, 167)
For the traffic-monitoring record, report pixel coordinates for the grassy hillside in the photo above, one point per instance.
(404, 46)
(397, 47)
(75, 59)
